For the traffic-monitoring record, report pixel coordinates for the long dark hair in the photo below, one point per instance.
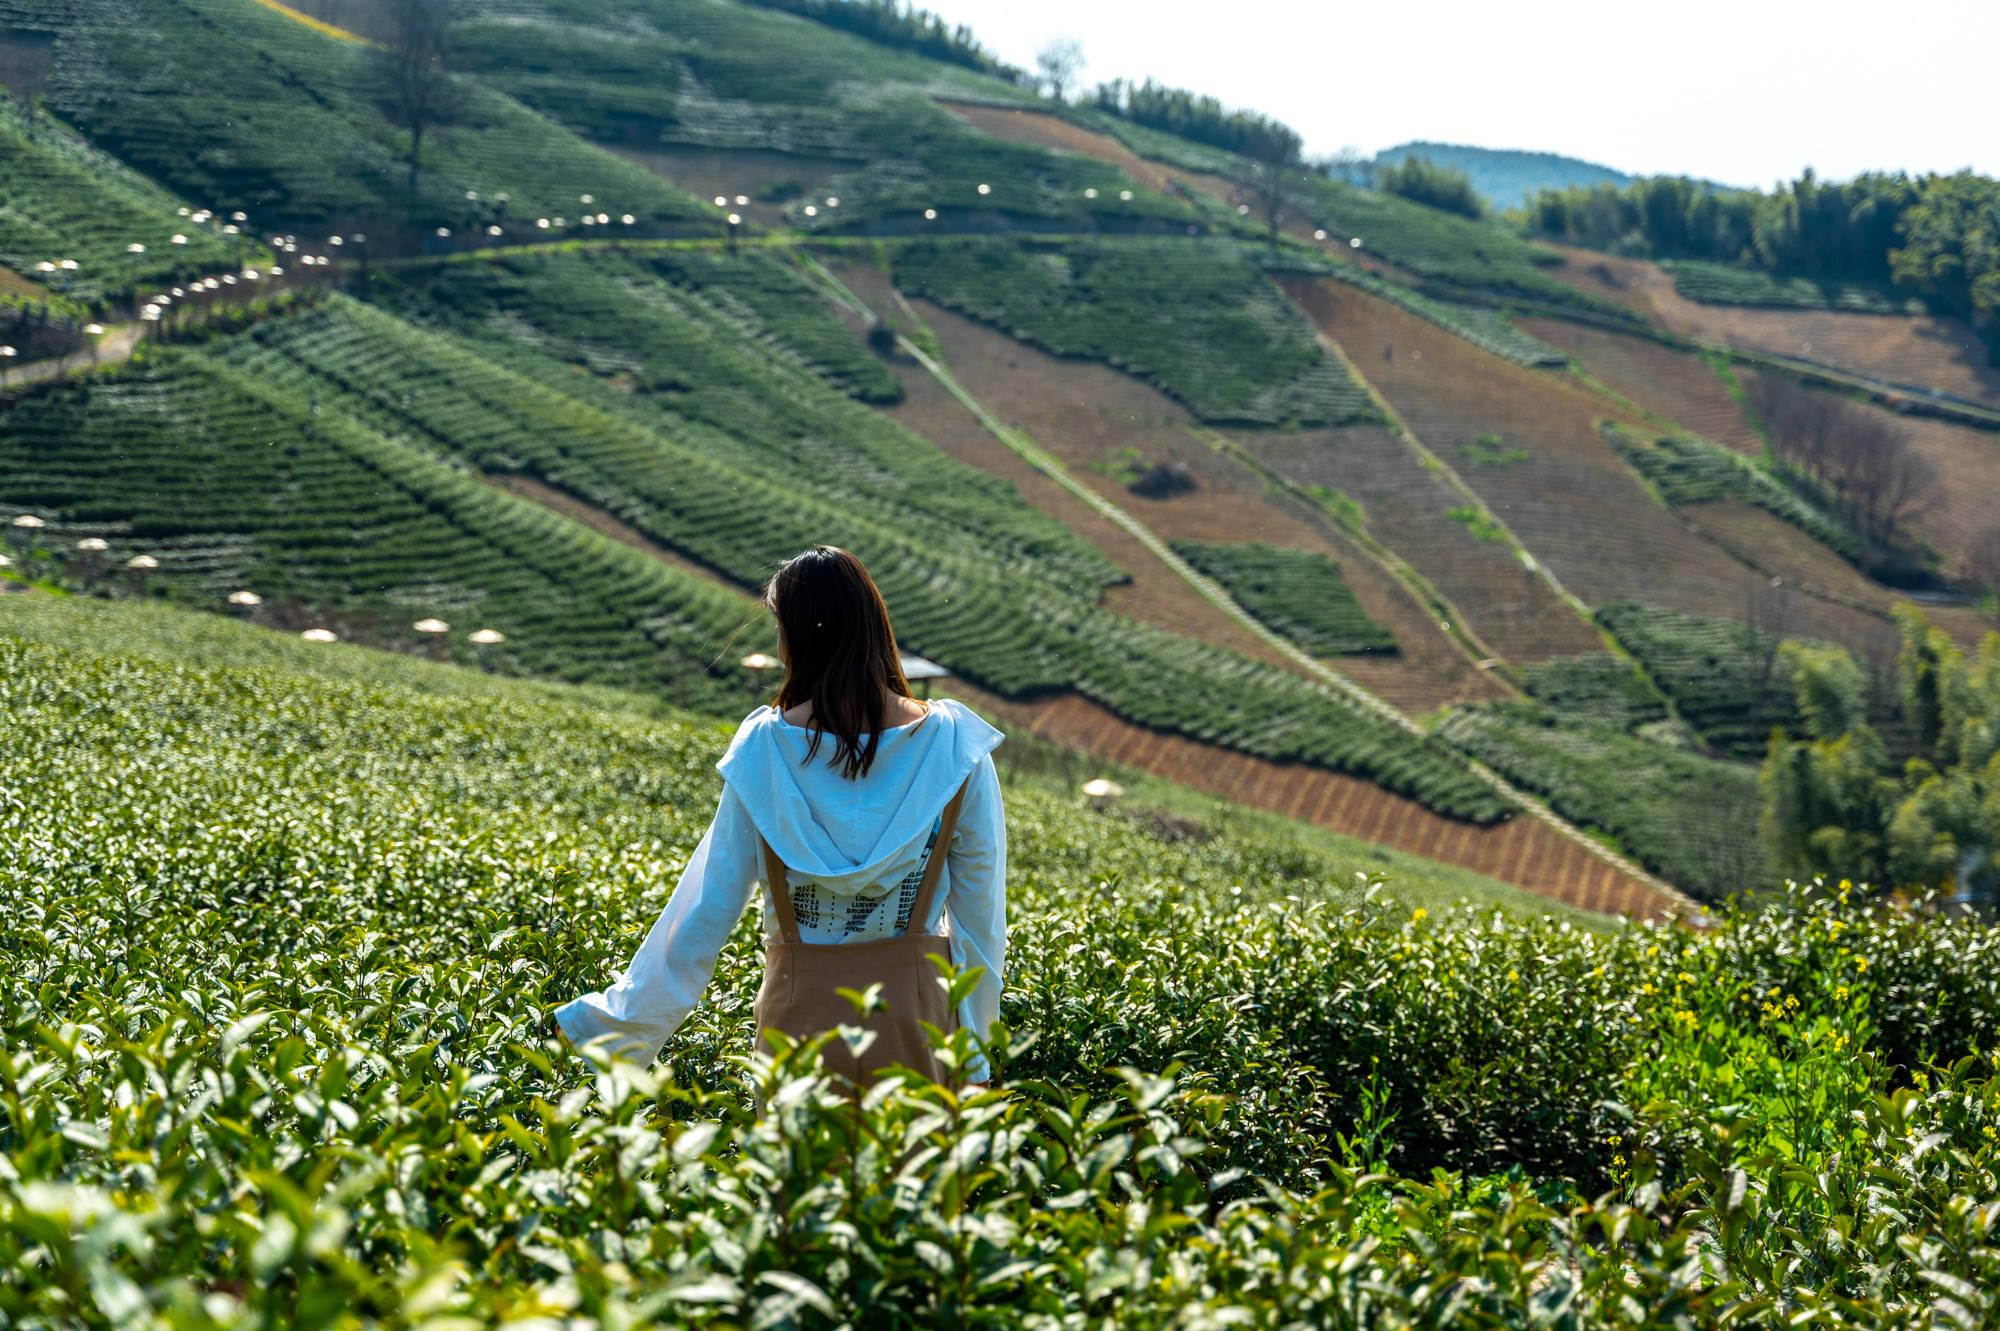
(839, 650)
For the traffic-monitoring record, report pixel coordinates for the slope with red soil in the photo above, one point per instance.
(1674, 384)
(1572, 501)
(1522, 850)
(1920, 351)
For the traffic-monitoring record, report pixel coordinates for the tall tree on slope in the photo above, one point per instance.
(417, 92)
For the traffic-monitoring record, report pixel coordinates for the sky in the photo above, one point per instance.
(1746, 92)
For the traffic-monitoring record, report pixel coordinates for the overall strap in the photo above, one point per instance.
(940, 847)
(781, 892)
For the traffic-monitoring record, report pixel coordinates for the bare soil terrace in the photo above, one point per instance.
(1921, 351)
(1675, 384)
(1572, 501)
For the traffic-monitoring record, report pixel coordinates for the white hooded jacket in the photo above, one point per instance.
(847, 846)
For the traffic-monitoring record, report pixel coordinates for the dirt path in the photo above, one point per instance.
(115, 345)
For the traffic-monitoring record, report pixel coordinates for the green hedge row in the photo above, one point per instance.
(1687, 470)
(1298, 593)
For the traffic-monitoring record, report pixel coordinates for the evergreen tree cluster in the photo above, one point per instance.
(1836, 802)
(899, 24)
(1936, 234)
(1190, 115)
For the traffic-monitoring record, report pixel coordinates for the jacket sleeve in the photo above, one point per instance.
(676, 961)
(977, 901)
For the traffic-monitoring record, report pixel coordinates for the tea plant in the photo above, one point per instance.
(284, 922)
(1687, 470)
(1297, 592)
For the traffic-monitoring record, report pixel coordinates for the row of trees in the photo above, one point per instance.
(1938, 235)
(899, 24)
(1431, 183)
(1190, 115)
(1836, 804)
(1860, 459)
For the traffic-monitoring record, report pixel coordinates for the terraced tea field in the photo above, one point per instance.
(1522, 851)
(1406, 505)
(67, 203)
(242, 108)
(1090, 416)
(1193, 316)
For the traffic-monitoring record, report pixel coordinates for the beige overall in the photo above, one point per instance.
(800, 994)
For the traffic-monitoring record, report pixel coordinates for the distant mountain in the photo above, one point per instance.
(1507, 176)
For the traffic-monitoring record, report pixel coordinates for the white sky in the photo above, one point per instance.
(1742, 91)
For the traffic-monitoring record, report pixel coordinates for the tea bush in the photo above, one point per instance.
(65, 200)
(1721, 673)
(284, 923)
(1720, 284)
(1480, 325)
(1598, 687)
(1689, 818)
(1687, 470)
(1296, 592)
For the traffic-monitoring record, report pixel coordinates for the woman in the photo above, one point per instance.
(874, 821)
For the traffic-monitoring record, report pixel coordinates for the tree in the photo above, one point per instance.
(1836, 804)
(1276, 174)
(25, 57)
(1058, 64)
(1351, 166)
(417, 91)
(1951, 244)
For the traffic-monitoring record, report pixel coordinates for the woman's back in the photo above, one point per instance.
(837, 798)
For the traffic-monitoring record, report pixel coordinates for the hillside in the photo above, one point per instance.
(1521, 898)
(1331, 526)
(1508, 177)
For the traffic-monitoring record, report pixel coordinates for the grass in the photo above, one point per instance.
(1196, 318)
(1490, 450)
(1482, 527)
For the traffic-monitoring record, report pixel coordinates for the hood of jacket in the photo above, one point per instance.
(838, 832)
